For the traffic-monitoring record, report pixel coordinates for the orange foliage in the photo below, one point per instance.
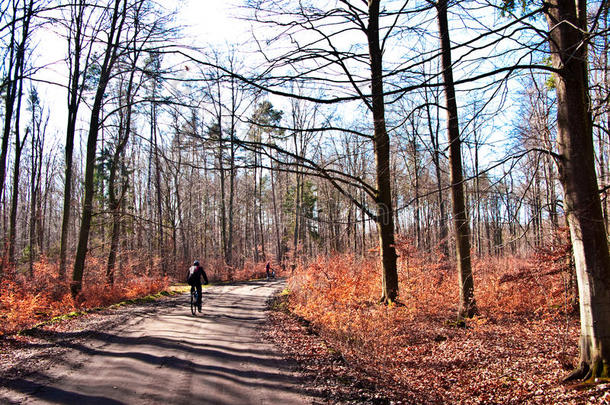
(539, 284)
(339, 295)
(218, 271)
(26, 300)
(29, 299)
(330, 288)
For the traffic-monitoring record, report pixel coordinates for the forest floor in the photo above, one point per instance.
(491, 362)
(155, 352)
(503, 360)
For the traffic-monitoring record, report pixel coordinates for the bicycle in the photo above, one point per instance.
(193, 300)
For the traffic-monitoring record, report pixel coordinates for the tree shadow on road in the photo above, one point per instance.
(50, 393)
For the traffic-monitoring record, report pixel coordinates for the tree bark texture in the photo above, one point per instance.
(16, 173)
(110, 57)
(74, 96)
(14, 58)
(114, 201)
(381, 141)
(567, 39)
(467, 305)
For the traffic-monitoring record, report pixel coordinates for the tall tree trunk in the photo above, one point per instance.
(418, 238)
(229, 252)
(18, 81)
(75, 86)
(223, 192)
(381, 142)
(158, 193)
(65, 223)
(436, 153)
(83, 238)
(150, 212)
(467, 305)
(217, 104)
(297, 207)
(110, 56)
(255, 217)
(551, 193)
(114, 201)
(279, 253)
(114, 243)
(260, 203)
(10, 93)
(567, 23)
(223, 204)
(477, 195)
(16, 66)
(606, 200)
(16, 168)
(44, 204)
(35, 156)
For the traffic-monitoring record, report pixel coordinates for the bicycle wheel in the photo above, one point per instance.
(193, 300)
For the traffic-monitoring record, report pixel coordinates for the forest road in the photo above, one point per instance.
(168, 356)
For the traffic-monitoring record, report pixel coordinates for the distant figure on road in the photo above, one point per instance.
(193, 277)
(270, 272)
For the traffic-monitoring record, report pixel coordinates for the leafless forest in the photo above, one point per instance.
(467, 130)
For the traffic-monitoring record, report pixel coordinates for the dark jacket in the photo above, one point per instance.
(193, 277)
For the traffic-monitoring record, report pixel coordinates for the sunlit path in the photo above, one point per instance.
(173, 357)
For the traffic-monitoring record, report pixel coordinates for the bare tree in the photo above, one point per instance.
(38, 129)
(79, 62)
(19, 144)
(467, 305)
(567, 23)
(326, 50)
(117, 14)
(19, 35)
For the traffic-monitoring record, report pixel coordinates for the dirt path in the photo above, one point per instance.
(166, 355)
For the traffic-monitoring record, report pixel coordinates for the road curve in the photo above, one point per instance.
(169, 356)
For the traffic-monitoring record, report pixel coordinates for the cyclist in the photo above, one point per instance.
(193, 277)
(270, 272)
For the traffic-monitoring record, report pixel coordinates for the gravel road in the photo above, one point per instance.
(160, 353)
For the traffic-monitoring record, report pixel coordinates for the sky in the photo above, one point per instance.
(204, 22)
(212, 21)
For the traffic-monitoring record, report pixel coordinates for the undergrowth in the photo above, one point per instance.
(29, 299)
(516, 350)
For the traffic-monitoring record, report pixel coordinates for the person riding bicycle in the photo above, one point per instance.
(193, 277)
(270, 272)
